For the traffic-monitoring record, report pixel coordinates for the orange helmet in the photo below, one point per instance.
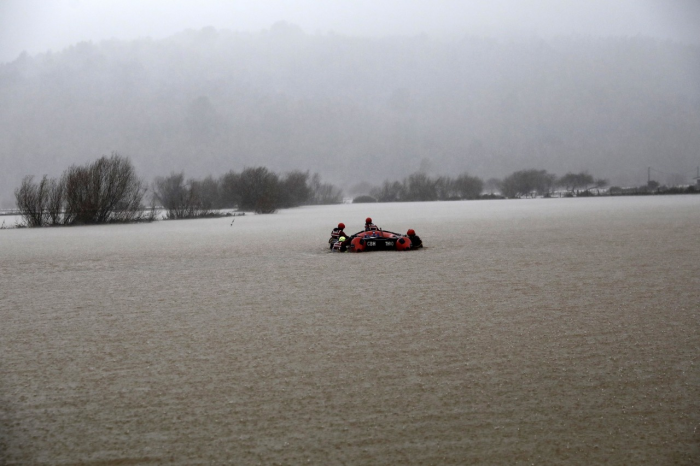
(368, 220)
(341, 225)
(410, 232)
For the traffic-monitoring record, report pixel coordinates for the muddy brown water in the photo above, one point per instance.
(560, 331)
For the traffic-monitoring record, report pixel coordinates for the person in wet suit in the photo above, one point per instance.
(416, 242)
(337, 233)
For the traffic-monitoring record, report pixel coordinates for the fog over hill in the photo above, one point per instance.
(355, 109)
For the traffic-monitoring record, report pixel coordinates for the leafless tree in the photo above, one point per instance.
(185, 200)
(104, 191)
(230, 195)
(31, 200)
(528, 183)
(389, 191)
(259, 190)
(172, 194)
(469, 187)
(54, 202)
(205, 194)
(294, 189)
(324, 193)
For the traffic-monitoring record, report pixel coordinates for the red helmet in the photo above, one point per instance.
(341, 225)
(410, 232)
(368, 220)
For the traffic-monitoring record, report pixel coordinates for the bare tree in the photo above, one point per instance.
(202, 196)
(492, 184)
(209, 194)
(185, 200)
(420, 187)
(324, 193)
(389, 192)
(445, 188)
(259, 190)
(173, 195)
(294, 189)
(468, 187)
(229, 185)
(527, 183)
(78, 200)
(574, 182)
(106, 190)
(54, 202)
(31, 200)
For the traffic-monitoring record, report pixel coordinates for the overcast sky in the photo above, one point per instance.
(36, 26)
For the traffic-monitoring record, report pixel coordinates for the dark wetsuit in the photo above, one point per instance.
(415, 241)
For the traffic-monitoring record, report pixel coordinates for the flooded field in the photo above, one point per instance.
(543, 331)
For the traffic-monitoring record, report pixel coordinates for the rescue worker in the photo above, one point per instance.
(369, 226)
(415, 239)
(337, 233)
(343, 241)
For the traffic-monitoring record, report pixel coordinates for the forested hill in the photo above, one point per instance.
(354, 109)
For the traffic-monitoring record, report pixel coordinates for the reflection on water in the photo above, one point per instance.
(551, 331)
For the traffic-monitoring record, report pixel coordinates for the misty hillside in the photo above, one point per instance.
(354, 109)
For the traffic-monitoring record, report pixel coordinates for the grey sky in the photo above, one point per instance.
(36, 26)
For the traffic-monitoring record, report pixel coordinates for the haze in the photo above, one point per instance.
(360, 92)
(36, 26)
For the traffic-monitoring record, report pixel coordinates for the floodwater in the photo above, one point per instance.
(550, 331)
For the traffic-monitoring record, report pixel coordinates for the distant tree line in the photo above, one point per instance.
(653, 187)
(254, 189)
(422, 187)
(108, 190)
(523, 183)
(532, 183)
